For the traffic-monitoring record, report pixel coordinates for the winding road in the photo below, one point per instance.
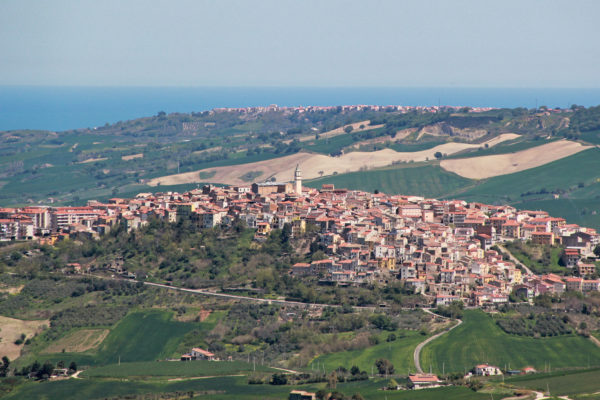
(514, 259)
(417, 353)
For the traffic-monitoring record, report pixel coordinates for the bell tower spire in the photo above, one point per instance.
(298, 179)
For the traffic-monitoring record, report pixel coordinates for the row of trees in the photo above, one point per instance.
(44, 371)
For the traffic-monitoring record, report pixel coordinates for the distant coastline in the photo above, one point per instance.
(64, 108)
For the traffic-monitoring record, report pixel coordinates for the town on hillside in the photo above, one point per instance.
(439, 248)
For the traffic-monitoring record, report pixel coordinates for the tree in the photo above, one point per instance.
(332, 380)
(279, 379)
(46, 370)
(348, 129)
(597, 250)
(73, 366)
(4, 366)
(438, 155)
(355, 370)
(384, 366)
(357, 396)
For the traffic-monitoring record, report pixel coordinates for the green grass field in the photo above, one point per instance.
(228, 388)
(140, 336)
(174, 369)
(511, 146)
(584, 212)
(561, 383)
(562, 174)
(480, 340)
(525, 255)
(399, 352)
(424, 180)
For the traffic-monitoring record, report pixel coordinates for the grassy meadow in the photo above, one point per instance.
(174, 369)
(561, 383)
(140, 336)
(224, 388)
(399, 352)
(479, 340)
(418, 179)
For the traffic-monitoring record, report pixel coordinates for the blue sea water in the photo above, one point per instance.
(62, 108)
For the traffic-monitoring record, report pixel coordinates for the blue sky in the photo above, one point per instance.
(463, 43)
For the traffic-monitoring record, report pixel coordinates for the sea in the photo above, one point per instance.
(63, 108)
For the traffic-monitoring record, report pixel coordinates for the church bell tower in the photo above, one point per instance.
(298, 180)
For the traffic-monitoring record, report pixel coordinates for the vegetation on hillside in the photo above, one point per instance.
(119, 158)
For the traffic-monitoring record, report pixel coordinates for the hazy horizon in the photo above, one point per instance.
(283, 43)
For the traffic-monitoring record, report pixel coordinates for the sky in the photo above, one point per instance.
(400, 43)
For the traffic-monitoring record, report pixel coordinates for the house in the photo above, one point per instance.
(529, 370)
(570, 257)
(301, 269)
(487, 370)
(198, 354)
(302, 395)
(444, 300)
(586, 269)
(60, 372)
(424, 381)
(544, 238)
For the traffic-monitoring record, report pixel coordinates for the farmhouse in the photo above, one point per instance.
(302, 395)
(487, 370)
(424, 381)
(198, 354)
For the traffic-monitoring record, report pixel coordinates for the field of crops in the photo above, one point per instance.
(480, 340)
(561, 383)
(174, 369)
(224, 388)
(399, 352)
(550, 177)
(427, 180)
(140, 336)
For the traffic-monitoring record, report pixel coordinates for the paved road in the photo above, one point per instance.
(238, 297)
(417, 353)
(251, 299)
(514, 259)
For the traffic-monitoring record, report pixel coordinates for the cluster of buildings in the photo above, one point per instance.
(440, 248)
(357, 107)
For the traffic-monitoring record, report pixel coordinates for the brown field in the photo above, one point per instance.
(78, 341)
(132, 156)
(210, 149)
(91, 160)
(502, 164)
(11, 289)
(316, 165)
(11, 329)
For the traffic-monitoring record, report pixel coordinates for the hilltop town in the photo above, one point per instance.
(446, 250)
